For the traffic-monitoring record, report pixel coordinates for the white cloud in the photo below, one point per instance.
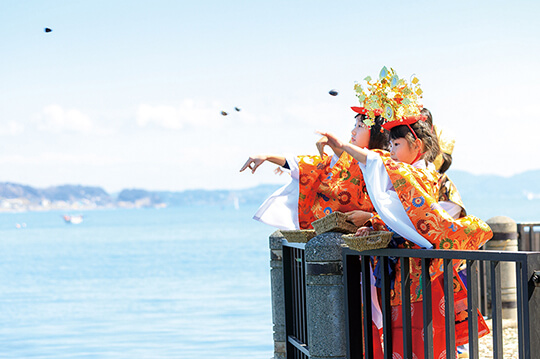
(56, 158)
(200, 114)
(11, 129)
(189, 113)
(56, 119)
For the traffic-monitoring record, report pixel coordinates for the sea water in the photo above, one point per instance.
(147, 283)
(188, 282)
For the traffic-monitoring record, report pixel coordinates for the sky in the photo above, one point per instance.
(128, 94)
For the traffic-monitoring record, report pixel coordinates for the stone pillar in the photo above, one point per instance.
(278, 300)
(325, 297)
(505, 238)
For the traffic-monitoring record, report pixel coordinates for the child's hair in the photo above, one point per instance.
(378, 137)
(447, 161)
(429, 118)
(424, 133)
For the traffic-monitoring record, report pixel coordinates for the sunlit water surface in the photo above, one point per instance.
(147, 283)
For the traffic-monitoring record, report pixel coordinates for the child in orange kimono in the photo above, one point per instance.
(322, 185)
(404, 191)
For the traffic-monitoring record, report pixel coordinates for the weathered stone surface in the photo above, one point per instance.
(326, 321)
(502, 224)
(278, 303)
(278, 300)
(280, 351)
(325, 297)
(324, 248)
(324, 280)
(276, 239)
(504, 239)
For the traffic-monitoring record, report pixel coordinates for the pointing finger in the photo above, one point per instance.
(246, 165)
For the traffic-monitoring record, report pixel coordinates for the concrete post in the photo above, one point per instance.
(505, 238)
(278, 300)
(325, 296)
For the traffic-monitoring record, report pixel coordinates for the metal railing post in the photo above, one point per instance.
(530, 314)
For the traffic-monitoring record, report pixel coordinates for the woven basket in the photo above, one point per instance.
(299, 236)
(374, 240)
(334, 222)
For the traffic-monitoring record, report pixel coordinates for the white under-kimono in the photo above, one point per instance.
(280, 210)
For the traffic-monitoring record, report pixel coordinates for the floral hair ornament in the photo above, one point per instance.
(390, 97)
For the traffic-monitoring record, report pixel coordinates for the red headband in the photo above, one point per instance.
(409, 120)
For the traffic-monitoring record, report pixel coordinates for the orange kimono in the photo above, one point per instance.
(325, 189)
(417, 190)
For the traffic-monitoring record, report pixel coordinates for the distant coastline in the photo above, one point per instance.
(17, 197)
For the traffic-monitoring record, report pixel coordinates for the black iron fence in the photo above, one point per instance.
(357, 264)
(529, 236)
(480, 266)
(294, 270)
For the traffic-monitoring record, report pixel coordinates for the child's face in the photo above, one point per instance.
(360, 134)
(403, 152)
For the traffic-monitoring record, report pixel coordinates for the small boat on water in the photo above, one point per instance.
(73, 219)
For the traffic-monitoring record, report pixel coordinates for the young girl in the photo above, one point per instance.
(322, 185)
(403, 188)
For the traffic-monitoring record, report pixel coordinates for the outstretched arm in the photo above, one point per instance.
(254, 162)
(358, 153)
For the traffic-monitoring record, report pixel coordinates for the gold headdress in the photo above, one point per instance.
(390, 97)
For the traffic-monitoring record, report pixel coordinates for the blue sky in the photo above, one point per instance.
(128, 94)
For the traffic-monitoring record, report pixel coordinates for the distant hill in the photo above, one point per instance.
(15, 196)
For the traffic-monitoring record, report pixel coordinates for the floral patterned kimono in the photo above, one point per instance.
(318, 187)
(395, 189)
(325, 189)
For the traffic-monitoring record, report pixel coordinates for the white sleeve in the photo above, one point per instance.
(453, 209)
(386, 201)
(280, 210)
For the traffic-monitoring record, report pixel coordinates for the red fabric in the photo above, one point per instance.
(360, 110)
(417, 190)
(324, 190)
(409, 120)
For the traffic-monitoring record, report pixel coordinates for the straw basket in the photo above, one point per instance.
(299, 236)
(334, 222)
(374, 240)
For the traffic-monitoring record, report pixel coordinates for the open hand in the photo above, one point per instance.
(253, 163)
(331, 140)
(323, 141)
